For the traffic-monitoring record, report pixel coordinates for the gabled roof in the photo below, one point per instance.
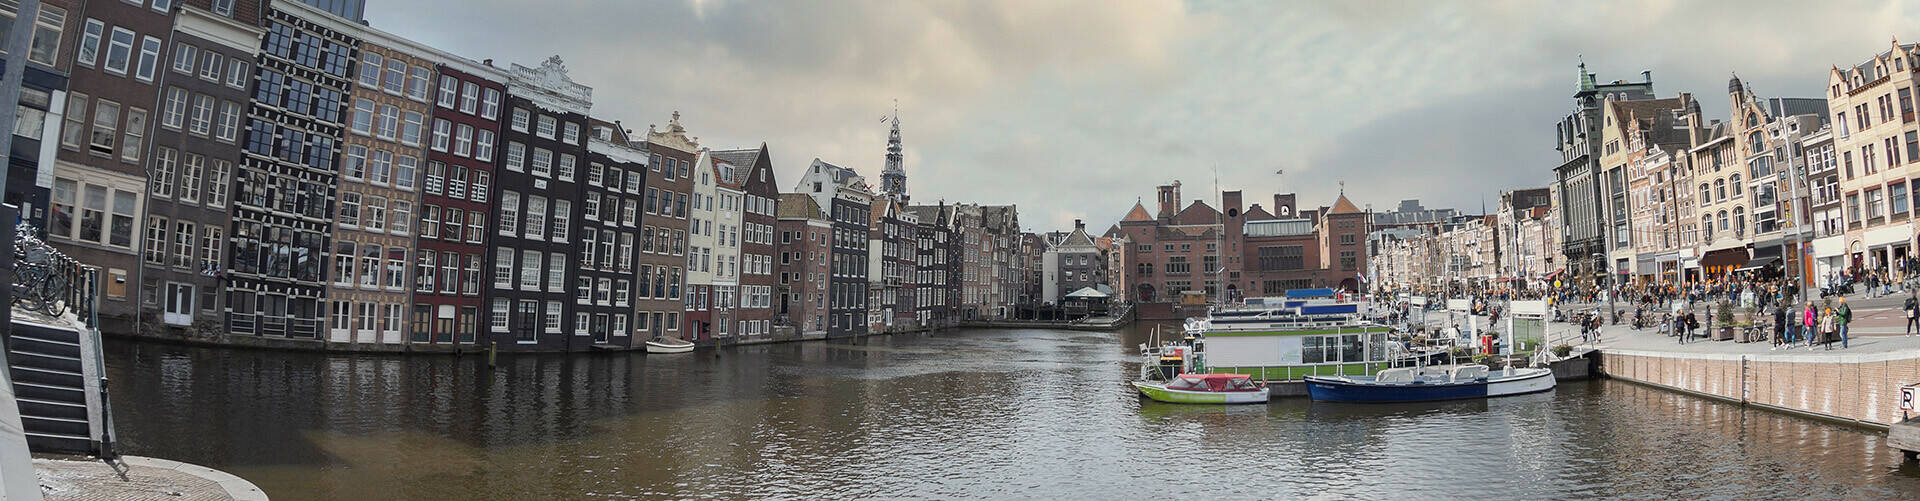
(1343, 206)
(1258, 213)
(797, 206)
(1197, 213)
(1139, 213)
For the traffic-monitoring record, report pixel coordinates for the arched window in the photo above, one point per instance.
(1706, 195)
(1720, 189)
(1753, 120)
(1735, 181)
(1739, 220)
(1723, 221)
(1706, 221)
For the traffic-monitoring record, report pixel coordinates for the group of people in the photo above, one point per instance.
(1813, 325)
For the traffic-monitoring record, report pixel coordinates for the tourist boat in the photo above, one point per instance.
(1307, 332)
(668, 345)
(1410, 384)
(1205, 389)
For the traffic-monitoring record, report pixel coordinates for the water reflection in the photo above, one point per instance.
(969, 414)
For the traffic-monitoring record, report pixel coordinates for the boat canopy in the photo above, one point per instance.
(1213, 382)
(1306, 293)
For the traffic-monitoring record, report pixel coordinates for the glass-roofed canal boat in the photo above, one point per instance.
(1278, 341)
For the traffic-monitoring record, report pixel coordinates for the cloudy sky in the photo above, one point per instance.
(1076, 109)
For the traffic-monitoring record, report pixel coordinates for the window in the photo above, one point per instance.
(552, 322)
(562, 219)
(448, 87)
(217, 183)
(572, 133)
(542, 162)
(136, 128)
(89, 41)
(1735, 181)
(547, 127)
(566, 167)
(519, 120)
(395, 79)
(490, 105)
(380, 170)
(363, 116)
(530, 275)
(1853, 209)
(228, 126)
(210, 66)
(156, 251)
(119, 51)
(212, 240)
(509, 213)
(185, 234)
(183, 58)
(483, 146)
(536, 216)
(463, 141)
(200, 119)
(1899, 198)
(356, 165)
(106, 117)
(442, 134)
(190, 173)
(237, 74)
(149, 58)
(374, 213)
(76, 127)
(1875, 208)
(417, 84)
(349, 208)
(503, 268)
(469, 97)
(412, 123)
(389, 122)
(516, 156)
(556, 272)
(370, 64)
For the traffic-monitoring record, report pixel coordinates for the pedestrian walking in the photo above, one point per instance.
(1913, 312)
(1779, 323)
(1843, 315)
(1807, 324)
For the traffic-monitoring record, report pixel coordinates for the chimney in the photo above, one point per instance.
(488, 62)
(1078, 225)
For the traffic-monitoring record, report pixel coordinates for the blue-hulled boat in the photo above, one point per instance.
(1432, 383)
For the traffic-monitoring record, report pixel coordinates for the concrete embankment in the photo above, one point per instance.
(1854, 388)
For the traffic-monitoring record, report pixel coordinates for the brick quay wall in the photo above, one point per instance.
(1855, 388)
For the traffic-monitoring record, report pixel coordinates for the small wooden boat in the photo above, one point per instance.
(1431, 383)
(1205, 389)
(668, 345)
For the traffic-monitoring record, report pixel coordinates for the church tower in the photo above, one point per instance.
(893, 180)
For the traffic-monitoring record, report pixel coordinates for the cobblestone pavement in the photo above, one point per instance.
(147, 479)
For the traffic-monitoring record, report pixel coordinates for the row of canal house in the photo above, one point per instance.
(264, 173)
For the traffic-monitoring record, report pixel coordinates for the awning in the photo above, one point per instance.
(1555, 273)
(1725, 257)
(1758, 263)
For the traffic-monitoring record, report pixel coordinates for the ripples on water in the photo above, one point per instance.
(968, 414)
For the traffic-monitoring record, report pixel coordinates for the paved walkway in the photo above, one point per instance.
(1878, 328)
(147, 479)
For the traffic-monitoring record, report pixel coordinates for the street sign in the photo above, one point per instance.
(1906, 397)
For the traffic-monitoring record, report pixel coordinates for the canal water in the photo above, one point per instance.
(960, 414)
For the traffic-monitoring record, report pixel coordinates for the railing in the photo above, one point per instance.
(47, 281)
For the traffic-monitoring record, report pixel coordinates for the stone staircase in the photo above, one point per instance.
(55, 387)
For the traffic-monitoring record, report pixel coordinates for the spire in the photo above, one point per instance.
(1586, 79)
(893, 180)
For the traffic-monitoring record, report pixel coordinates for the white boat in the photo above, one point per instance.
(668, 345)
